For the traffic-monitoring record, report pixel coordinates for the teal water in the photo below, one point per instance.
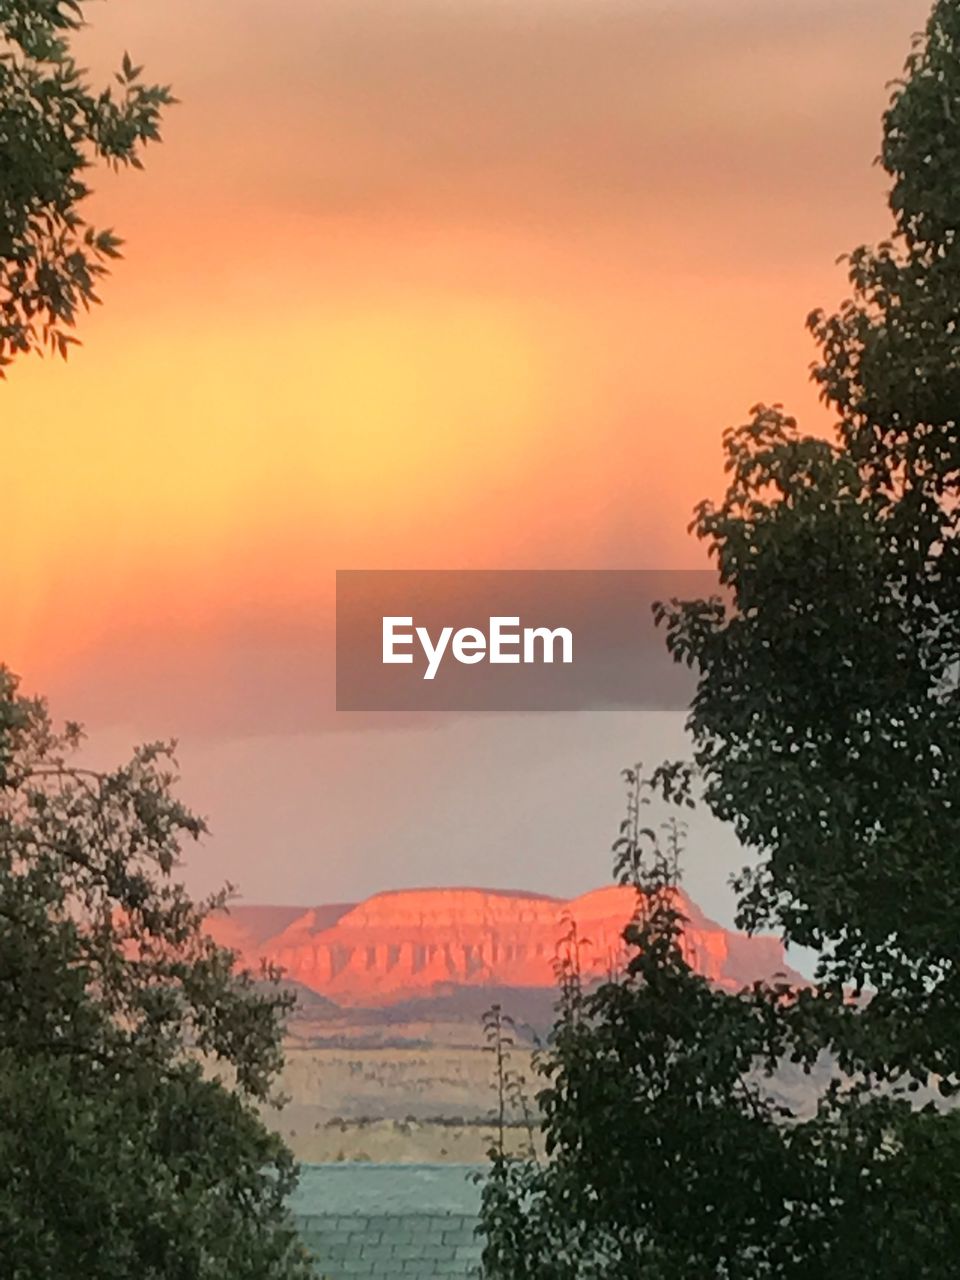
(361, 1188)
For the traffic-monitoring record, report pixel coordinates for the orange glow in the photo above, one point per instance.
(396, 946)
(383, 307)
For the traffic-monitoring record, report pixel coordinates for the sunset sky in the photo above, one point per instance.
(420, 283)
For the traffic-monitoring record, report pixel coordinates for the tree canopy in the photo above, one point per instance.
(826, 723)
(825, 731)
(133, 1057)
(670, 1152)
(53, 127)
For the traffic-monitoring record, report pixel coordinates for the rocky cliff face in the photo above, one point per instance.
(423, 942)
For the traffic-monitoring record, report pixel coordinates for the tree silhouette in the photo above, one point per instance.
(53, 127)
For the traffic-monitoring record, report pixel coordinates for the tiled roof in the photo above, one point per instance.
(391, 1222)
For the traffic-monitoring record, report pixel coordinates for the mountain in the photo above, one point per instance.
(414, 944)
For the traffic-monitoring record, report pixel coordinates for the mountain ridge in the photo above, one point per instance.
(411, 944)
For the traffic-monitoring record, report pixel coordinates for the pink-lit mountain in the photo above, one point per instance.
(412, 943)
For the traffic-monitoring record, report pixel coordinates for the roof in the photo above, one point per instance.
(390, 1221)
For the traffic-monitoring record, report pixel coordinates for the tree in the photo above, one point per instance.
(826, 723)
(668, 1154)
(53, 127)
(640, 1073)
(825, 730)
(133, 1058)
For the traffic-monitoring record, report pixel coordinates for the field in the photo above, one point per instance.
(418, 1104)
(414, 1083)
(426, 1102)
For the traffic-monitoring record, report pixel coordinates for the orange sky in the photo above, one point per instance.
(416, 284)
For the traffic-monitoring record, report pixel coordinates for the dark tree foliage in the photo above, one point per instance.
(826, 731)
(53, 127)
(667, 1153)
(133, 1058)
(827, 717)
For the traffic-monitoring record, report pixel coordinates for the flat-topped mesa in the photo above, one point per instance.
(420, 942)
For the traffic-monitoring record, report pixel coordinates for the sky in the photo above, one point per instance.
(420, 284)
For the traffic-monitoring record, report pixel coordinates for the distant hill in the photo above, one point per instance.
(419, 949)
